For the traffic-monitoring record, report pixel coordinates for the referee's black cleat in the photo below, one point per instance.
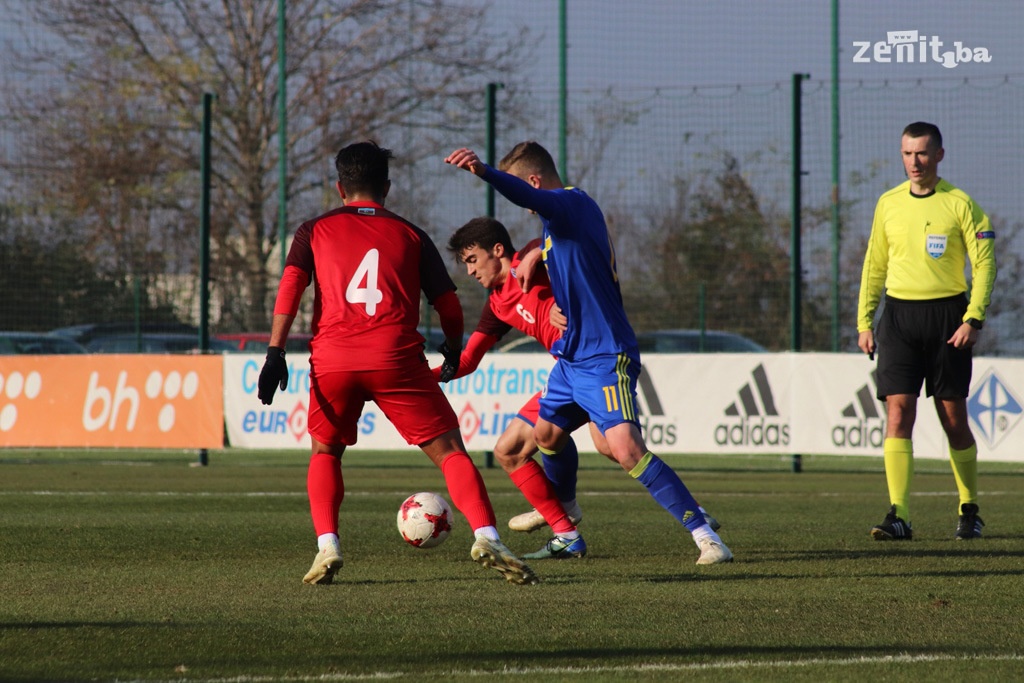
(893, 528)
(970, 523)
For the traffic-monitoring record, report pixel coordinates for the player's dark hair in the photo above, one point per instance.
(483, 232)
(363, 168)
(920, 129)
(531, 157)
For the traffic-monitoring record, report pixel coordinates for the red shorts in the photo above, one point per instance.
(530, 410)
(409, 397)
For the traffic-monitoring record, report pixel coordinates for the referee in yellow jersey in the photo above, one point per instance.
(924, 232)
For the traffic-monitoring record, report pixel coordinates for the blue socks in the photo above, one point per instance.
(668, 489)
(561, 469)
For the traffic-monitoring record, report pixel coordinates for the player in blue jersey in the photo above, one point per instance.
(599, 362)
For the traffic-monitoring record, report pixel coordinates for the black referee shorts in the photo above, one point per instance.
(911, 340)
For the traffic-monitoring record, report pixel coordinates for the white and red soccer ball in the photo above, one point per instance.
(425, 520)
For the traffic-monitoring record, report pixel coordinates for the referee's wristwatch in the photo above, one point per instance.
(975, 323)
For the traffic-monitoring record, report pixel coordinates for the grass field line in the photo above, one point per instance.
(728, 665)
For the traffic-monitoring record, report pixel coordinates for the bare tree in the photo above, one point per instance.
(713, 230)
(113, 133)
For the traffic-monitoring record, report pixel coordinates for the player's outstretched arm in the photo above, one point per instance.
(516, 190)
(478, 344)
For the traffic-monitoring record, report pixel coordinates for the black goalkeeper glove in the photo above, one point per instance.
(273, 374)
(450, 366)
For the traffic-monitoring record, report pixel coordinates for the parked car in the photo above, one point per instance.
(256, 342)
(36, 343)
(155, 343)
(663, 341)
(85, 333)
(690, 341)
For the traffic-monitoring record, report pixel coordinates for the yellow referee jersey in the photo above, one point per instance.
(919, 247)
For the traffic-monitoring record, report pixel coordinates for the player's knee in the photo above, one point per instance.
(959, 435)
(901, 423)
(508, 461)
(549, 437)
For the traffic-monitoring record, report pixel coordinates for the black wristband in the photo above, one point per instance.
(975, 323)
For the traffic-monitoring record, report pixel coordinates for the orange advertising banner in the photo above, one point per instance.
(130, 401)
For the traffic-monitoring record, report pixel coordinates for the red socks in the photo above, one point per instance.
(326, 490)
(537, 488)
(466, 488)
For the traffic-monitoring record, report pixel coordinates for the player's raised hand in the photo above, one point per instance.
(466, 159)
(273, 374)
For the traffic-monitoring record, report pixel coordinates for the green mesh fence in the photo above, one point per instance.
(694, 182)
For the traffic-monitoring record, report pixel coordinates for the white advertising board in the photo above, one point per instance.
(780, 403)
(484, 401)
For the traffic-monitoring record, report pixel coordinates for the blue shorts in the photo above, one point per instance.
(601, 389)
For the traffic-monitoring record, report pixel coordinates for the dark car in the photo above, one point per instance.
(37, 344)
(696, 341)
(256, 342)
(85, 333)
(152, 342)
(663, 341)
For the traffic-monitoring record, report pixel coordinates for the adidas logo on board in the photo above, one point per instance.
(756, 419)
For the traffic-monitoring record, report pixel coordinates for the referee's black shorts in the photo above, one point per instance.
(912, 347)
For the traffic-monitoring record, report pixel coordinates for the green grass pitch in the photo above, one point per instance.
(136, 566)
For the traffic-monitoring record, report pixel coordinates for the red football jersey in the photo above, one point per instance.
(368, 267)
(529, 312)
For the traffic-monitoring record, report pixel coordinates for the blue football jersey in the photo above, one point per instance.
(580, 261)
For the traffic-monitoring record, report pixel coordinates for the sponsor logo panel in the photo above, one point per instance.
(753, 420)
(112, 401)
(862, 421)
(994, 408)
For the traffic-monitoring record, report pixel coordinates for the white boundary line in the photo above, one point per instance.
(728, 665)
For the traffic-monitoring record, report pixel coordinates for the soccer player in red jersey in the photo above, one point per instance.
(368, 266)
(599, 361)
(485, 247)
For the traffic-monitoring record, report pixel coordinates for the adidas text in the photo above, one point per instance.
(657, 431)
(859, 434)
(752, 432)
